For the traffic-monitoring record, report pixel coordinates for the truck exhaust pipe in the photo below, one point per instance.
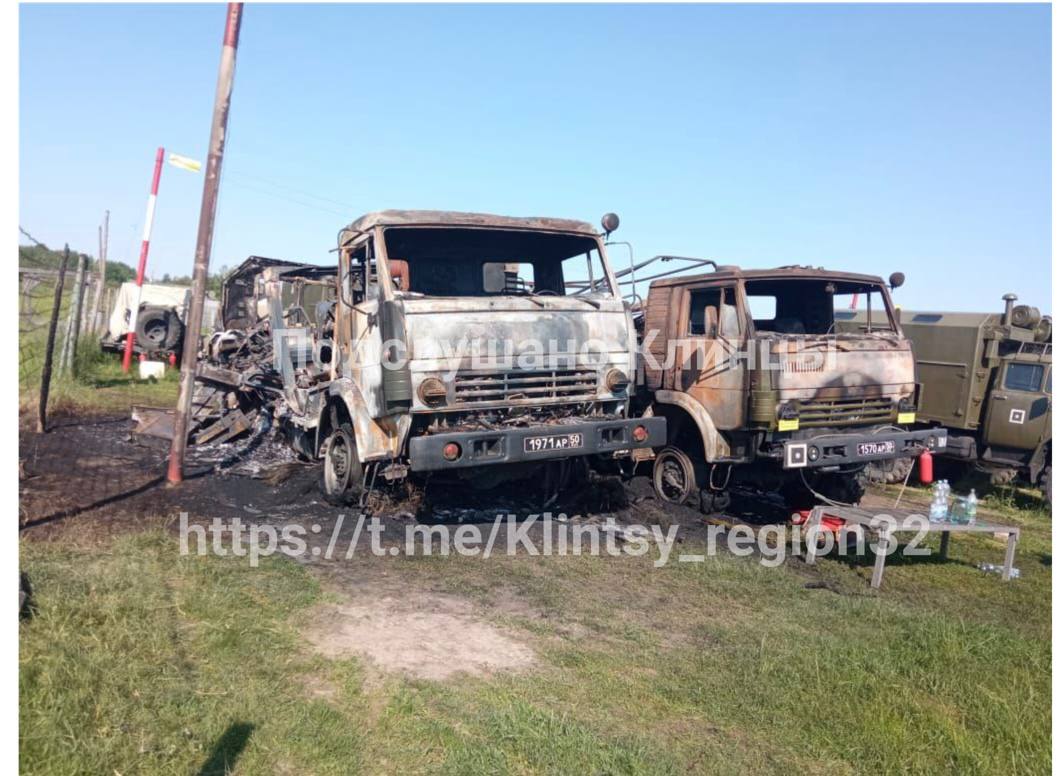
(1009, 300)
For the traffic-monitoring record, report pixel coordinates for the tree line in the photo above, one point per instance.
(43, 257)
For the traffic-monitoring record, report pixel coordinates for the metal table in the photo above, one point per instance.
(909, 521)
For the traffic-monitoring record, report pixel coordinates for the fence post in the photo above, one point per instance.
(101, 267)
(49, 347)
(73, 321)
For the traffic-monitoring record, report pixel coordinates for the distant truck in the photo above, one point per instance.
(158, 322)
(987, 379)
(759, 387)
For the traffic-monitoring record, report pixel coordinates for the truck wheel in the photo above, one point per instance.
(893, 472)
(158, 328)
(343, 473)
(673, 476)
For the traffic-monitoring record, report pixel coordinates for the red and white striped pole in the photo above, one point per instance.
(130, 337)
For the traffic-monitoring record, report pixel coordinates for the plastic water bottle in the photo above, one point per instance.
(971, 504)
(958, 510)
(937, 510)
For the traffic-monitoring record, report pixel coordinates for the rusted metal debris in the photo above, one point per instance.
(243, 375)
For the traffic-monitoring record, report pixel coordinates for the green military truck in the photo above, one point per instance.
(987, 378)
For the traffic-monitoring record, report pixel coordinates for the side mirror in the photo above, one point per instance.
(896, 280)
(609, 222)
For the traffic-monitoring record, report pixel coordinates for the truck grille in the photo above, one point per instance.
(489, 387)
(844, 412)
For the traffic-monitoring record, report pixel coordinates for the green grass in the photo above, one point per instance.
(96, 383)
(139, 661)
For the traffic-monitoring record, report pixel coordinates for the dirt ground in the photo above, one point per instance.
(89, 478)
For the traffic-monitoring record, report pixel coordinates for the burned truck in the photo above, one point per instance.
(759, 387)
(259, 369)
(476, 348)
(987, 379)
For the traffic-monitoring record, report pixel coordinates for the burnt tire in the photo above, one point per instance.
(158, 328)
(673, 476)
(343, 473)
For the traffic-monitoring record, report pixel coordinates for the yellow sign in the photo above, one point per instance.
(907, 417)
(184, 163)
(788, 425)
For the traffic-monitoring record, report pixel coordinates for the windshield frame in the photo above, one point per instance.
(867, 286)
(390, 292)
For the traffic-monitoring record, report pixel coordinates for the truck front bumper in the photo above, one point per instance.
(846, 449)
(532, 443)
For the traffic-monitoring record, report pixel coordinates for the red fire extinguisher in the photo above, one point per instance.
(927, 473)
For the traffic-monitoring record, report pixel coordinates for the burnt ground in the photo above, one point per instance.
(94, 476)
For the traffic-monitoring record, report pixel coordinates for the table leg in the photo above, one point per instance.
(810, 536)
(944, 545)
(1010, 556)
(883, 544)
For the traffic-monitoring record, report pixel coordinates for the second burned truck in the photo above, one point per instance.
(758, 386)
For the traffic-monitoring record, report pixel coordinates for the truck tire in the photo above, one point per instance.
(158, 328)
(893, 472)
(844, 488)
(673, 475)
(342, 475)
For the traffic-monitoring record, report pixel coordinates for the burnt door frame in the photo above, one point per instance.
(701, 368)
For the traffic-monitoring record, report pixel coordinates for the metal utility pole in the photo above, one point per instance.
(49, 347)
(207, 214)
(95, 323)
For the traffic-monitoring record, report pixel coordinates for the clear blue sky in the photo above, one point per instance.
(868, 138)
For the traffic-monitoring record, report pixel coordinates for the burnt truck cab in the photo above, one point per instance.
(758, 384)
(465, 341)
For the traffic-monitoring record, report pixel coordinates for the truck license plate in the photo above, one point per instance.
(549, 442)
(876, 448)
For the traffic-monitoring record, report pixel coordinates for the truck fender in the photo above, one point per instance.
(715, 446)
(377, 438)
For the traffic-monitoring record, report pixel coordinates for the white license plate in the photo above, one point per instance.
(876, 448)
(549, 442)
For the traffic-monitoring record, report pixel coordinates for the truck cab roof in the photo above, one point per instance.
(778, 273)
(450, 218)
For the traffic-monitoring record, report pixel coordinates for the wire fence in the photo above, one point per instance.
(76, 451)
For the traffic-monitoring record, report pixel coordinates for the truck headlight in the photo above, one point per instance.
(432, 392)
(616, 381)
